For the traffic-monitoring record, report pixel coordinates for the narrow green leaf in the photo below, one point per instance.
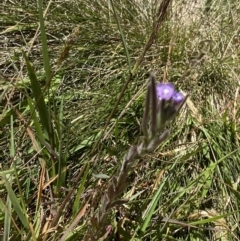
(151, 208)
(12, 149)
(76, 204)
(15, 203)
(7, 219)
(40, 103)
(44, 42)
(35, 120)
(62, 164)
(8, 213)
(6, 172)
(122, 36)
(37, 221)
(209, 220)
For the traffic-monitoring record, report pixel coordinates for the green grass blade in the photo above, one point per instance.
(62, 165)
(6, 172)
(7, 220)
(46, 61)
(122, 35)
(35, 119)
(76, 204)
(212, 219)
(151, 208)
(37, 222)
(8, 213)
(41, 105)
(15, 203)
(12, 149)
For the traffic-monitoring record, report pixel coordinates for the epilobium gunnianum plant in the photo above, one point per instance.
(163, 103)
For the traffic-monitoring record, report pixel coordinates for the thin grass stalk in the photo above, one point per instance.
(62, 161)
(46, 61)
(122, 35)
(8, 213)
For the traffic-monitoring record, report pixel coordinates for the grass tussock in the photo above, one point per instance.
(73, 80)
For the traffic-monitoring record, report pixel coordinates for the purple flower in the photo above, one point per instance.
(177, 97)
(165, 91)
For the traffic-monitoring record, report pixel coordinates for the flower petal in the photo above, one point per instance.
(165, 91)
(177, 97)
